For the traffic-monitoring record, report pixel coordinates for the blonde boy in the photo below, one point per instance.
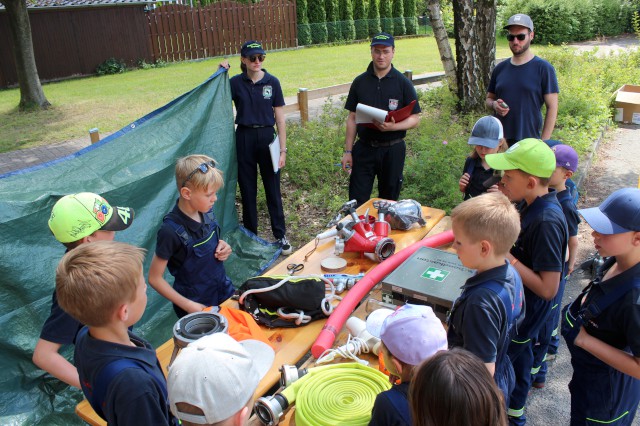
(75, 219)
(538, 254)
(483, 317)
(101, 285)
(189, 241)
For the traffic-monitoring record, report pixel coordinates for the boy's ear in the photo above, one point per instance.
(485, 247)
(123, 312)
(241, 418)
(185, 193)
(532, 182)
(397, 363)
(636, 239)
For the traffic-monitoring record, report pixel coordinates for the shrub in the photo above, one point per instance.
(373, 13)
(360, 19)
(304, 31)
(410, 16)
(317, 21)
(386, 20)
(346, 20)
(398, 18)
(111, 66)
(332, 13)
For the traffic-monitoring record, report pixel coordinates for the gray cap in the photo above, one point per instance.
(520, 19)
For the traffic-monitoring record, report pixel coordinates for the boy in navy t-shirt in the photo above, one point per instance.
(602, 326)
(101, 285)
(75, 219)
(483, 317)
(547, 346)
(189, 242)
(538, 254)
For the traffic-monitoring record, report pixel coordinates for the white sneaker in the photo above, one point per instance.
(286, 246)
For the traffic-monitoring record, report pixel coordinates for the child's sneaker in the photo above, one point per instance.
(286, 246)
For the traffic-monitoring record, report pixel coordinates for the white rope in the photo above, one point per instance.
(354, 347)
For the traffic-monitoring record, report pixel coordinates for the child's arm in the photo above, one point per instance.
(620, 360)
(544, 283)
(157, 281)
(47, 357)
(573, 251)
(223, 251)
(491, 366)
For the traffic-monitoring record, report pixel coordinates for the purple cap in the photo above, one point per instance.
(486, 132)
(566, 157)
(619, 213)
(412, 333)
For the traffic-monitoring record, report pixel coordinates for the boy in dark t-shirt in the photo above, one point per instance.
(547, 345)
(75, 219)
(538, 254)
(483, 317)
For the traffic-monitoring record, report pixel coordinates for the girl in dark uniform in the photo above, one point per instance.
(259, 103)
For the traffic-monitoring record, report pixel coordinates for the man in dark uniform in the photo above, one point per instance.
(380, 150)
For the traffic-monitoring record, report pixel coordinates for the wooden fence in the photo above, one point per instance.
(180, 32)
(74, 41)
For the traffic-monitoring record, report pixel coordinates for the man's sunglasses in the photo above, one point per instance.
(259, 58)
(520, 37)
(203, 168)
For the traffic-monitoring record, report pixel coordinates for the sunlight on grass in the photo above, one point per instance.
(111, 102)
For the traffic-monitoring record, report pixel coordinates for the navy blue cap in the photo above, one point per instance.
(384, 39)
(251, 47)
(618, 214)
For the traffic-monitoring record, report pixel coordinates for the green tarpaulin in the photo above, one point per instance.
(133, 167)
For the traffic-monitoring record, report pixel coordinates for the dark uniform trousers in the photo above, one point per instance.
(381, 160)
(252, 146)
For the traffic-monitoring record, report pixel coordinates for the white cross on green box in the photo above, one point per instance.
(435, 274)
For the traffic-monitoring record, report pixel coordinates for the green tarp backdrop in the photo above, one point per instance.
(133, 167)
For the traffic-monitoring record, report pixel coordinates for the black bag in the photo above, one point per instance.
(294, 303)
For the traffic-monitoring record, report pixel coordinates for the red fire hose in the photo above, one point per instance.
(346, 307)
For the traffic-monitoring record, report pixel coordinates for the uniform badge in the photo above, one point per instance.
(393, 104)
(267, 91)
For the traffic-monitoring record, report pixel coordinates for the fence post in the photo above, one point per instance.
(94, 135)
(409, 74)
(303, 103)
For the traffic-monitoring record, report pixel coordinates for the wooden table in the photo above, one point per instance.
(291, 344)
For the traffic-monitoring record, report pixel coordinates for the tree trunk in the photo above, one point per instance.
(31, 93)
(440, 34)
(486, 36)
(469, 77)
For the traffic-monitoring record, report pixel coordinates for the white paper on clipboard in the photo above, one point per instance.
(274, 150)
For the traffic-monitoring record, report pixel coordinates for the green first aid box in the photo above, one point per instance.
(429, 277)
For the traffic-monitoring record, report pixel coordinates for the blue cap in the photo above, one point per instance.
(618, 214)
(251, 47)
(384, 39)
(486, 132)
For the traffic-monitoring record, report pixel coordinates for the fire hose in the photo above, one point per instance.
(339, 316)
(338, 394)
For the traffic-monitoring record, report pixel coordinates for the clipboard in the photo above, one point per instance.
(274, 151)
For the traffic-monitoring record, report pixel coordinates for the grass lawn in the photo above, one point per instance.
(111, 102)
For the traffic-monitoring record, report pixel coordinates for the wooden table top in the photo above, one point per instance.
(291, 344)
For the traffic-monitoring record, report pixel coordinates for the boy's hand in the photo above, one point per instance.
(223, 251)
(464, 181)
(195, 307)
(225, 64)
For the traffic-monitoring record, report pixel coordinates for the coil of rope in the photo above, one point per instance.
(340, 394)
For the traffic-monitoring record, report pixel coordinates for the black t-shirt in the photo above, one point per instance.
(478, 176)
(255, 101)
(392, 92)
